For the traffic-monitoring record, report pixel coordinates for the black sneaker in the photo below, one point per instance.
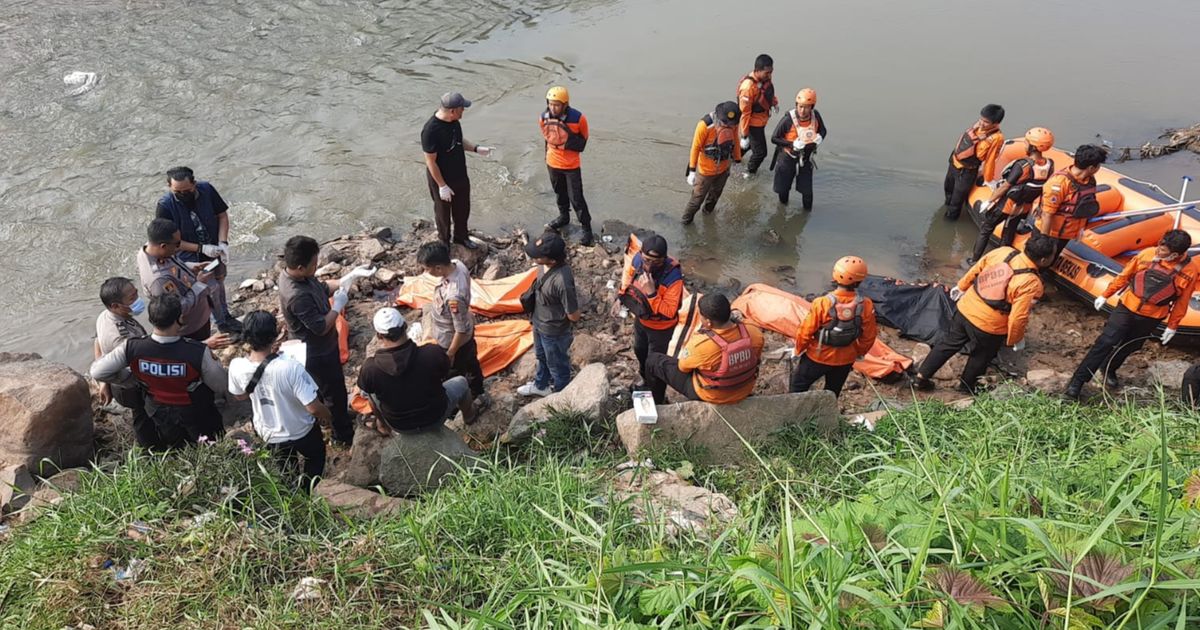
(561, 221)
(1074, 391)
(588, 238)
(1111, 381)
(923, 384)
(469, 244)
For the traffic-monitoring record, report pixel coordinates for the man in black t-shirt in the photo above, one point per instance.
(446, 168)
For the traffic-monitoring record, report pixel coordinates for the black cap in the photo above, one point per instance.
(548, 245)
(728, 113)
(655, 244)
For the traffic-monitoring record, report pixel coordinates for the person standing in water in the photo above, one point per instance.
(796, 139)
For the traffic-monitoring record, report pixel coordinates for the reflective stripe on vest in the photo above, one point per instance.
(805, 131)
(991, 285)
(739, 362)
(169, 372)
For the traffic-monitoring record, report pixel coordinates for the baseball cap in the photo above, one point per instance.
(387, 319)
(548, 245)
(452, 100)
(728, 112)
(655, 244)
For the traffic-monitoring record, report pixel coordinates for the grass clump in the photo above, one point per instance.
(1018, 513)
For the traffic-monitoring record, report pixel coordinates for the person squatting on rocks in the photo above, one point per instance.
(446, 169)
(756, 98)
(719, 364)
(840, 328)
(565, 130)
(714, 146)
(1156, 286)
(161, 271)
(1019, 186)
(284, 399)
(311, 317)
(1069, 198)
(201, 215)
(652, 290)
(796, 139)
(453, 322)
(409, 386)
(554, 306)
(973, 160)
(994, 299)
(179, 376)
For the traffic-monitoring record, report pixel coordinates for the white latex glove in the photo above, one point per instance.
(797, 145)
(818, 139)
(340, 298)
(211, 251)
(415, 332)
(1020, 346)
(445, 193)
(1099, 303)
(745, 143)
(691, 178)
(955, 293)
(484, 151)
(1167, 335)
(224, 247)
(987, 206)
(361, 271)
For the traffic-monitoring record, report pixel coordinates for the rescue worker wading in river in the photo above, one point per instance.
(993, 303)
(1069, 198)
(652, 289)
(973, 160)
(714, 146)
(565, 130)
(756, 99)
(796, 139)
(839, 328)
(1158, 284)
(1019, 186)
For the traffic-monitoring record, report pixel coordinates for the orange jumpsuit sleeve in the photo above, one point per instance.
(669, 297)
(1051, 198)
(698, 353)
(1138, 263)
(1022, 299)
(746, 105)
(1180, 307)
(994, 144)
(626, 277)
(869, 329)
(697, 144)
(811, 324)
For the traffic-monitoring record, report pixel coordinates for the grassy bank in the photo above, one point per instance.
(1021, 513)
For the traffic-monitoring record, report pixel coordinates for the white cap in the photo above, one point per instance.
(386, 319)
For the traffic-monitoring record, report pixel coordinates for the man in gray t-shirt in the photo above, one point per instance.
(450, 310)
(555, 309)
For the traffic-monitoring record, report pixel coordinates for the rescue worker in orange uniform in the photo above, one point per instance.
(973, 160)
(565, 130)
(1069, 198)
(652, 289)
(714, 147)
(719, 365)
(839, 328)
(1019, 186)
(1158, 284)
(756, 98)
(994, 299)
(796, 139)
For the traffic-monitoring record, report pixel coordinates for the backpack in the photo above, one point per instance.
(845, 323)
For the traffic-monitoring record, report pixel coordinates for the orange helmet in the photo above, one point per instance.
(849, 270)
(807, 96)
(1040, 138)
(558, 93)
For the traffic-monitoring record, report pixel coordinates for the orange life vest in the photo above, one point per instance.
(718, 143)
(1078, 204)
(992, 283)
(739, 362)
(766, 94)
(1156, 284)
(965, 152)
(562, 132)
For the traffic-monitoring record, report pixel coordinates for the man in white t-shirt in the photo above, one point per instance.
(284, 397)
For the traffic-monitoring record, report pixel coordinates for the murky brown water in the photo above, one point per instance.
(305, 115)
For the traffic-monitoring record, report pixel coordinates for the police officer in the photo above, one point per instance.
(179, 376)
(161, 271)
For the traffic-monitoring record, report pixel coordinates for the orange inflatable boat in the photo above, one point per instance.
(1112, 237)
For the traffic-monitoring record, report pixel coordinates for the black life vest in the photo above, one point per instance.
(845, 323)
(1029, 187)
(169, 372)
(992, 283)
(1156, 284)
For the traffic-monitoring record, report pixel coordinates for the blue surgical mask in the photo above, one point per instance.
(138, 306)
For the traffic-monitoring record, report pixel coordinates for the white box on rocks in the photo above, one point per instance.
(643, 406)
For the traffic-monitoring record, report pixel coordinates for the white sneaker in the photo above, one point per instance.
(531, 389)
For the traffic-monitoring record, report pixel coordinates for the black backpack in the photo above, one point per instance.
(845, 323)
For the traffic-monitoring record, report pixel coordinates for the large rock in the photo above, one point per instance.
(355, 501)
(586, 393)
(525, 369)
(586, 349)
(371, 249)
(471, 258)
(16, 485)
(411, 463)
(363, 469)
(45, 413)
(704, 425)
(657, 496)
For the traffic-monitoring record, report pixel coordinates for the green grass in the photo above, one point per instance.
(1023, 513)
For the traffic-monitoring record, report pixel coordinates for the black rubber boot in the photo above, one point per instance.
(562, 220)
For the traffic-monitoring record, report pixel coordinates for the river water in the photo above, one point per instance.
(305, 114)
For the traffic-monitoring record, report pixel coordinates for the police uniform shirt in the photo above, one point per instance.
(114, 367)
(452, 306)
(171, 275)
(112, 331)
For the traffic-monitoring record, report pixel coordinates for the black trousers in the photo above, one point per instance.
(311, 447)
(568, 188)
(645, 341)
(177, 427)
(204, 332)
(808, 371)
(758, 148)
(1124, 333)
(134, 399)
(788, 168)
(665, 369)
(990, 221)
(958, 184)
(326, 370)
(457, 211)
(985, 346)
(466, 364)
